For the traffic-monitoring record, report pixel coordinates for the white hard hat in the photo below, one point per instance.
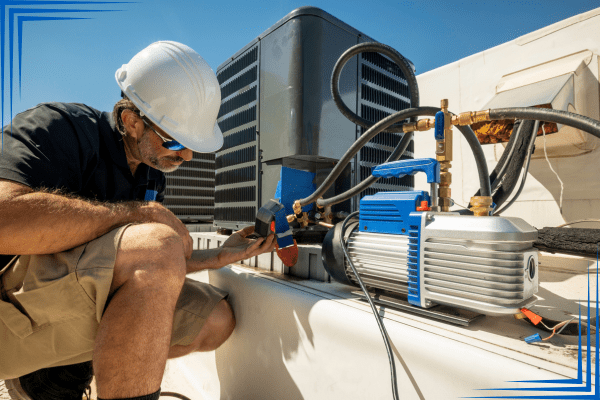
(176, 89)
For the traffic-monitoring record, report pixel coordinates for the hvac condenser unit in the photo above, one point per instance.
(277, 114)
(190, 192)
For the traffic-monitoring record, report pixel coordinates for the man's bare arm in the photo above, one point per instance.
(41, 222)
(236, 248)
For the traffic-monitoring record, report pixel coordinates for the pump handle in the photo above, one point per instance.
(398, 169)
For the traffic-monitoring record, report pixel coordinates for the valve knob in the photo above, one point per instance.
(424, 206)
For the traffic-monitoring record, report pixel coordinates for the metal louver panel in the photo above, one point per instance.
(383, 90)
(236, 190)
(190, 191)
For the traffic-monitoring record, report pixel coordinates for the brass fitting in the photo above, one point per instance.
(303, 220)
(471, 117)
(328, 215)
(297, 207)
(444, 105)
(420, 125)
(481, 205)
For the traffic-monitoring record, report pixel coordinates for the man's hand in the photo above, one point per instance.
(238, 247)
(156, 212)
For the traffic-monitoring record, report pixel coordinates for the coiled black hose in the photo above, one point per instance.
(404, 65)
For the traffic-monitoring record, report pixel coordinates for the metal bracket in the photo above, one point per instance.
(439, 312)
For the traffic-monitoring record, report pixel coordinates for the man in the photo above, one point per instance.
(101, 272)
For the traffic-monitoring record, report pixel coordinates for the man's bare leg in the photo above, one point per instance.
(215, 331)
(133, 339)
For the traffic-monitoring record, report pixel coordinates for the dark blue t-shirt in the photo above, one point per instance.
(74, 148)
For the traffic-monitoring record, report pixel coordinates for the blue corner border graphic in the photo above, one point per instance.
(572, 385)
(16, 7)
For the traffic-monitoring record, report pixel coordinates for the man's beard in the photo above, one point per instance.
(163, 163)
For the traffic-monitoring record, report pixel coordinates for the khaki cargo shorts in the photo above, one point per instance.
(51, 306)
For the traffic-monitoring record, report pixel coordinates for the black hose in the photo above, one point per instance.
(360, 142)
(510, 164)
(576, 121)
(404, 65)
(505, 158)
(395, 156)
(466, 131)
(525, 171)
(386, 338)
(482, 169)
(509, 179)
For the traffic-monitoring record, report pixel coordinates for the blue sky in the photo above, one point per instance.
(75, 60)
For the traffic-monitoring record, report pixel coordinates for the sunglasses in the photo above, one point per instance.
(172, 145)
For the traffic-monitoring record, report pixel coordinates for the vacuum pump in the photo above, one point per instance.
(480, 263)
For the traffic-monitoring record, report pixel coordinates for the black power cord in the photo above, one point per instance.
(386, 338)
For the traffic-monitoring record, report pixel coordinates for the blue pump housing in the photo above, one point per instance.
(389, 212)
(396, 212)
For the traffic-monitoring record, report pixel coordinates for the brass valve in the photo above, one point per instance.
(443, 154)
(300, 216)
(465, 118)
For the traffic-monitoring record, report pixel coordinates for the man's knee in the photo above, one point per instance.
(150, 252)
(222, 319)
(216, 330)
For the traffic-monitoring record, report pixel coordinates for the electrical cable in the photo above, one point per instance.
(396, 57)
(562, 325)
(386, 338)
(578, 222)
(525, 171)
(562, 185)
